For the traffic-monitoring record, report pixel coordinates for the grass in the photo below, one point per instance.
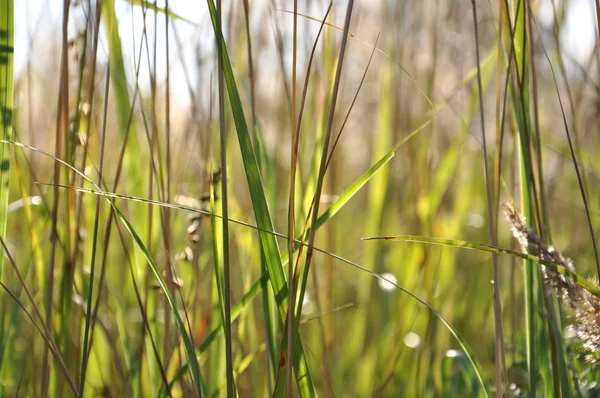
(154, 161)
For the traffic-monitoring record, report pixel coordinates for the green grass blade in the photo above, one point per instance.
(581, 281)
(454, 384)
(120, 94)
(358, 184)
(520, 104)
(257, 193)
(88, 317)
(6, 113)
(6, 105)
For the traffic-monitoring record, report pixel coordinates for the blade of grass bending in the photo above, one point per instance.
(359, 183)
(581, 281)
(259, 203)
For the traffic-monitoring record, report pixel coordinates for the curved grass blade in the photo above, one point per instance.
(358, 184)
(581, 281)
(451, 386)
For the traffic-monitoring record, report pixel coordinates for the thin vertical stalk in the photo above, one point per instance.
(250, 66)
(324, 155)
(499, 348)
(225, 212)
(62, 124)
(291, 210)
(128, 126)
(95, 32)
(561, 374)
(6, 105)
(86, 342)
(518, 41)
(269, 244)
(6, 117)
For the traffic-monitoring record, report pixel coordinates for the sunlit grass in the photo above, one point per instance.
(150, 232)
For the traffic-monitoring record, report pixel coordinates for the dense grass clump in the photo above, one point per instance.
(271, 198)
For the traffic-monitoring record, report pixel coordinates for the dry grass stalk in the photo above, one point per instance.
(585, 305)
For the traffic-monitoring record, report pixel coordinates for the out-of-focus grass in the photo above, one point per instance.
(133, 269)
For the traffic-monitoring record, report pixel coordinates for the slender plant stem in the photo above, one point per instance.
(291, 212)
(324, 155)
(86, 342)
(225, 212)
(499, 357)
